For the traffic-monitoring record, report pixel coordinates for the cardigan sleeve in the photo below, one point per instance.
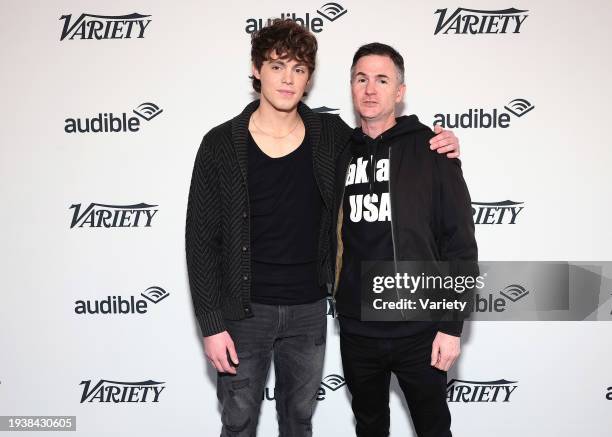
(203, 241)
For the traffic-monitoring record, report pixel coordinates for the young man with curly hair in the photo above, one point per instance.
(258, 237)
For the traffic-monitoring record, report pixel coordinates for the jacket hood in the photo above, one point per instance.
(405, 124)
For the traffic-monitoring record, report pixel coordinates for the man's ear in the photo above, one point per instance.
(401, 90)
(255, 71)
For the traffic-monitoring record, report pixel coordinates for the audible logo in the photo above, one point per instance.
(330, 11)
(108, 122)
(120, 304)
(480, 118)
(331, 382)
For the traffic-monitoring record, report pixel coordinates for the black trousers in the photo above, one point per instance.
(368, 363)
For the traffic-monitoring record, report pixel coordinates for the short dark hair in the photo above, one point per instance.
(376, 48)
(288, 39)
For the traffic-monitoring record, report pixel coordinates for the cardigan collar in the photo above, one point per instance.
(240, 130)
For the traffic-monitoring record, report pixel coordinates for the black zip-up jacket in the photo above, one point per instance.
(431, 213)
(217, 235)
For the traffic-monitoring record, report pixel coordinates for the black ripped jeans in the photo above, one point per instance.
(295, 336)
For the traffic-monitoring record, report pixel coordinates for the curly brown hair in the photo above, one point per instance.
(288, 39)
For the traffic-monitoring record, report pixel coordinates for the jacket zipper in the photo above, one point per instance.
(392, 231)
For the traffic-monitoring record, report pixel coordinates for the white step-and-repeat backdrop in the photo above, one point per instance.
(103, 108)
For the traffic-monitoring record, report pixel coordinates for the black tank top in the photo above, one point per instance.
(285, 208)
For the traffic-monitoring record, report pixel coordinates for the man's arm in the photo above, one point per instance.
(457, 242)
(203, 249)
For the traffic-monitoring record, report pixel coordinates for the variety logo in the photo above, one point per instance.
(331, 382)
(458, 390)
(98, 215)
(121, 392)
(473, 21)
(496, 213)
(330, 11)
(88, 26)
(121, 305)
(108, 122)
(480, 118)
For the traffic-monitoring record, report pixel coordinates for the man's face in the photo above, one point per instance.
(376, 88)
(283, 81)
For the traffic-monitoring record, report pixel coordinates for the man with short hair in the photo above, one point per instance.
(258, 237)
(395, 201)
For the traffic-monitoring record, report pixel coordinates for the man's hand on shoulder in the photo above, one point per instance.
(217, 347)
(444, 351)
(445, 141)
